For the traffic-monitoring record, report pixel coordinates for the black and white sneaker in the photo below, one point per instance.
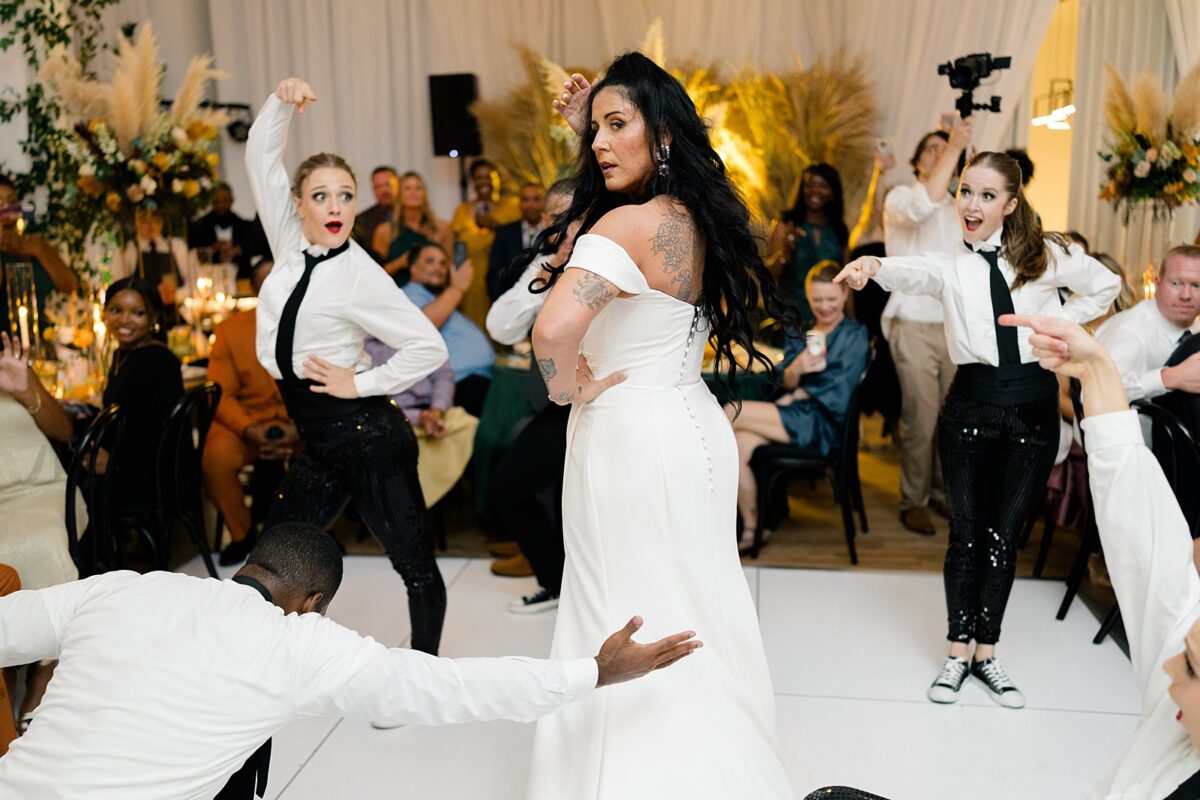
(1001, 689)
(534, 603)
(948, 682)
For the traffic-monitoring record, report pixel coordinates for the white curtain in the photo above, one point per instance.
(1183, 16)
(369, 60)
(1135, 38)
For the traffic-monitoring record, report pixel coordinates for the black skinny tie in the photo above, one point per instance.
(287, 320)
(1006, 337)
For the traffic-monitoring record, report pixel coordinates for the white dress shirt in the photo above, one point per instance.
(1140, 340)
(167, 683)
(1148, 548)
(914, 225)
(511, 317)
(349, 297)
(962, 279)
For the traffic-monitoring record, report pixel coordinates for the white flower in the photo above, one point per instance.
(87, 169)
(148, 184)
(1142, 169)
(1152, 155)
(1189, 175)
(177, 186)
(205, 183)
(179, 135)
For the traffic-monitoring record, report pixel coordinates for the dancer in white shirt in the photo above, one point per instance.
(322, 299)
(998, 429)
(167, 682)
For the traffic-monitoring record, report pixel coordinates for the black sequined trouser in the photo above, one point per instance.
(371, 456)
(995, 461)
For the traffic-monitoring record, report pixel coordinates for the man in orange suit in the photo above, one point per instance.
(9, 583)
(251, 426)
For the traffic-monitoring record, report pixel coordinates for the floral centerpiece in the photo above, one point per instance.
(131, 153)
(1153, 155)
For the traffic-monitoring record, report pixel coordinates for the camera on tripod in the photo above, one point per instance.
(965, 74)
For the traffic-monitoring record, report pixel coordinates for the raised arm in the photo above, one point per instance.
(269, 181)
(1147, 544)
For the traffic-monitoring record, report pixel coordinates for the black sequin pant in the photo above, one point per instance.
(995, 461)
(371, 456)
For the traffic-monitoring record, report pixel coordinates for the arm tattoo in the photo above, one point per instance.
(679, 243)
(547, 368)
(593, 291)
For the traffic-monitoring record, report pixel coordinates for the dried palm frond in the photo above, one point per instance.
(653, 45)
(83, 99)
(1119, 113)
(833, 118)
(191, 90)
(1185, 110)
(135, 83)
(1150, 105)
(759, 110)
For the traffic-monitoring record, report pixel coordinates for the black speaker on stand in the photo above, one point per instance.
(455, 130)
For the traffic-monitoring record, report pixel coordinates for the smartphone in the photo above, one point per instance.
(947, 122)
(460, 253)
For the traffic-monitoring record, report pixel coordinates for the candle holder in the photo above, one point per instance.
(22, 306)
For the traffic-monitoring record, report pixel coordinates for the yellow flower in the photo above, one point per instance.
(191, 188)
(213, 159)
(83, 337)
(160, 160)
(94, 125)
(1109, 191)
(113, 201)
(1191, 153)
(196, 130)
(90, 186)
(138, 166)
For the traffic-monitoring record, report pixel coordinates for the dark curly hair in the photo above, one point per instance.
(735, 278)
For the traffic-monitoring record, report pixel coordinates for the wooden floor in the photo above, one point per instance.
(812, 535)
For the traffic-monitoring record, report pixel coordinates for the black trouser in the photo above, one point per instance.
(471, 392)
(526, 493)
(250, 780)
(995, 463)
(371, 456)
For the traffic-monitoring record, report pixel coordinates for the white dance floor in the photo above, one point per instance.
(851, 654)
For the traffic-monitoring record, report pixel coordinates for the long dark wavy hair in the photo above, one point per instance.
(835, 209)
(735, 278)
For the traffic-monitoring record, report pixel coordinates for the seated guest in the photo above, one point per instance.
(144, 379)
(168, 682)
(411, 223)
(233, 240)
(1148, 549)
(165, 263)
(437, 289)
(1142, 338)
(33, 541)
(50, 272)
(817, 385)
(513, 238)
(386, 186)
(251, 427)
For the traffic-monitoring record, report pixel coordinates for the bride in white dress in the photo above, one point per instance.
(665, 261)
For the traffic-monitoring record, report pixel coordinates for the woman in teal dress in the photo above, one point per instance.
(812, 230)
(817, 382)
(412, 225)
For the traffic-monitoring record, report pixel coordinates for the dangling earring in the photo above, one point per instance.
(664, 153)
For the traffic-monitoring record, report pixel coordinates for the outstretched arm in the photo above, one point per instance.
(1146, 540)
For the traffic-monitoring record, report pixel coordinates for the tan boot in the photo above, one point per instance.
(504, 549)
(513, 567)
(917, 520)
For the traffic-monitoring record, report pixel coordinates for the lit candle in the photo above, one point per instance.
(23, 322)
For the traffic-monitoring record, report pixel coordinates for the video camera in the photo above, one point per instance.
(966, 72)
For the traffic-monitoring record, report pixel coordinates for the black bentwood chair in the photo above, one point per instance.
(92, 548)
(177, 479)
(775, 465)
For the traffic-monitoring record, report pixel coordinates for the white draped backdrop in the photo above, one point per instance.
(369, 60)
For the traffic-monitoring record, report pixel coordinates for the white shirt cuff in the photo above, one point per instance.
(1152, 385)
(366, 384)
(582, 674)
(1115, 429)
